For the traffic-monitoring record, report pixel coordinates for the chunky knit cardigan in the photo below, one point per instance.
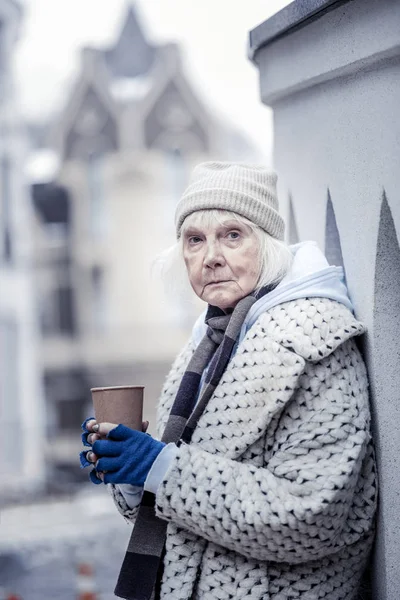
(276, 495)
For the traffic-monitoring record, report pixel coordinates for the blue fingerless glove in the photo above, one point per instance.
(126, 456)
(82, 456)
(86, 432)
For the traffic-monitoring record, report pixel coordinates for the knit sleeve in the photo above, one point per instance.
(121, 504)
(314, 494)
(132, 494)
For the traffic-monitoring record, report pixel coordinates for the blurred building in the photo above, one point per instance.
(130, 133)
(21, 397)
(330, 71)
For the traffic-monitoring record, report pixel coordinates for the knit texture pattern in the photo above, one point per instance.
(248, 190)
(276, 495)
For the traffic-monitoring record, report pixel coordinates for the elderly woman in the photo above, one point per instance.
(263, 483)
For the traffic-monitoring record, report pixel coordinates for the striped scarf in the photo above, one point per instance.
(141, 571)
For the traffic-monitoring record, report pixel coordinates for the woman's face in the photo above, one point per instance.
(221, 259)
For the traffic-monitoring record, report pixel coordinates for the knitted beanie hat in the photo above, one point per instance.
(247, 190)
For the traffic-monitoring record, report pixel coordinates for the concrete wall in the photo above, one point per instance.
(334, 85)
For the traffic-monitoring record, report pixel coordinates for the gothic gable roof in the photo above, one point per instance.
(132, 54)
(90, 112)
(172, 108)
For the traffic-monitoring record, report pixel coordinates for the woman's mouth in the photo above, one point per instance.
(218, 282)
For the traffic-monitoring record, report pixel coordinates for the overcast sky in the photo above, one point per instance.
(213, 34)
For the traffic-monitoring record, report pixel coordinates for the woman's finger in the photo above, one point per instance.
(92, 438)
(85, 423)
(85, 438)
(91, 457)
(106, 448)
(105, 464)
(95, 477)
(103, 428)
(109, 477)
(83, 459)
(89, 424)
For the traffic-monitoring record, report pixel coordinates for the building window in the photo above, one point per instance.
(70, 414)
(98, 299)
(5, 211)
(11, 453)
(64, 299)
(57, 312)
(96, 194)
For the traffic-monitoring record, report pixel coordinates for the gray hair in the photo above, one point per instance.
(275, 256)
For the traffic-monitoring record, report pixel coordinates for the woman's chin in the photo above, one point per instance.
(221, 299)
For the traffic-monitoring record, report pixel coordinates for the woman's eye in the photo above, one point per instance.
(194, 239)
(233, 235)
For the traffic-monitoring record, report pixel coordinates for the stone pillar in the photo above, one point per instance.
(331, 72)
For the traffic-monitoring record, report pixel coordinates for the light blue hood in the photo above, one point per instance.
(310, 276)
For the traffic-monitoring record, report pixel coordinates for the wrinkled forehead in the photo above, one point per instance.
(213, 218)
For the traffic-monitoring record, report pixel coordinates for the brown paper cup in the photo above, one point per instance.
(120, 404)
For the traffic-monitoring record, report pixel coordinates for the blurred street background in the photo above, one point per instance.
(105, 108)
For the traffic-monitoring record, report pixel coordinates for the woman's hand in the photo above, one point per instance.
(119, 454)
(93, 437)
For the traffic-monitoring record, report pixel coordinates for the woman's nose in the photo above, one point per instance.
(214, 256)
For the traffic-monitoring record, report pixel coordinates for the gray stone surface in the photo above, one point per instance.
(345, 44)
(334, 85)
(295, 15)
(384, 358)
